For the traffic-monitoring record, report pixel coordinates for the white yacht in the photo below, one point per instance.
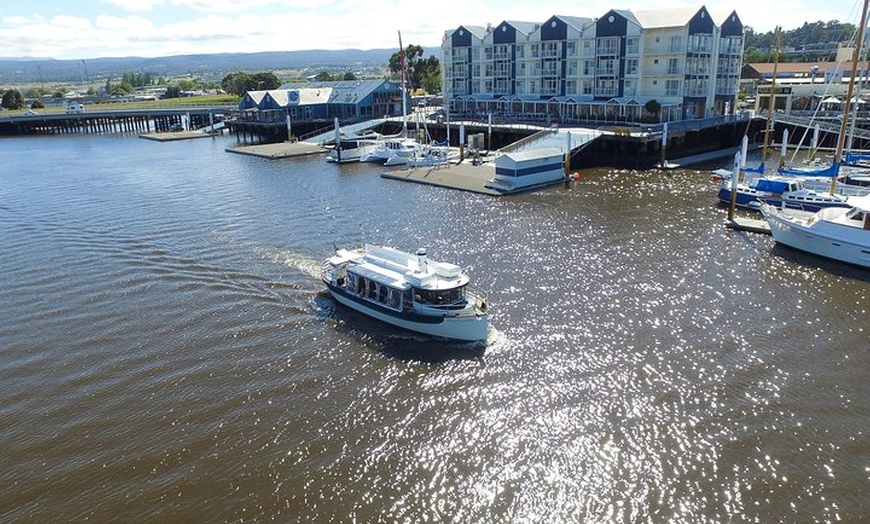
(352, 148)
(407, 290)
(837, 233)
(392, 151)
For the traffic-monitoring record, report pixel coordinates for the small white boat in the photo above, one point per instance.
(837, 233)
(407, 290)
(392, 151)
(350, 150)
(433, 156)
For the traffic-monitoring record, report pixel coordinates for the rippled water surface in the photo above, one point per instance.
(168, 354)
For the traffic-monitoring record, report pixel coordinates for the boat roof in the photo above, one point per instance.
(399, 269)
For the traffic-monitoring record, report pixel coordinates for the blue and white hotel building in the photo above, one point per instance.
(572, 69)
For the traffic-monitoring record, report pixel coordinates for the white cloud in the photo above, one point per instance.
(136, 6)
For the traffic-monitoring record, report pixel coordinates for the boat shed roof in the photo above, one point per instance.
(520, 157)
(344, 91)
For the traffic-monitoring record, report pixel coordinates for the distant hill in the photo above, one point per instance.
(372, 62)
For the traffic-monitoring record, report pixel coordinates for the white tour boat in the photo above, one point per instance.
(835, 232)
(407, 290)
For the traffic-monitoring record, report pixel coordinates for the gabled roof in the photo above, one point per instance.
(523, 27)
(344, 91)
(476, 30)
(576, 22)
(255, 96)
(660, 18)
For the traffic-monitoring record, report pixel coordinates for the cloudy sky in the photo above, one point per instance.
(64, 29)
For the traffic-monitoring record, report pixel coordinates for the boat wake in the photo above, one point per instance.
(303, 263)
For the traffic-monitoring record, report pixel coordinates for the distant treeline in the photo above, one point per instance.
(818, 40)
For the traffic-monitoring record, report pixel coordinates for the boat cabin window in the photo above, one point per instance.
(375, 292)
(439, 296)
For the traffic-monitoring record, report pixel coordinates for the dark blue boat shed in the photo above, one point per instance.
(348, 100)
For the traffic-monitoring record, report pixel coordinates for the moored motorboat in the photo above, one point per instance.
(407, 290)
(777, 191)
(837, 233)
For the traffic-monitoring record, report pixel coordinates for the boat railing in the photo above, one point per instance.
(478, 299)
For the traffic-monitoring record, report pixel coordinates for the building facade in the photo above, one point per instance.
(607, 69)
(347, 100)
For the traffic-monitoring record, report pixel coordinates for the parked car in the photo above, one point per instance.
(75, 109)
(29, 112)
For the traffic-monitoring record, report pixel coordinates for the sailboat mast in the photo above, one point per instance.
(856, 55)
(404, 89)
(770, 101)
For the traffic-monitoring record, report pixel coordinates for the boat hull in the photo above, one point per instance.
(753, 201)
(824, 242)
(468, 328)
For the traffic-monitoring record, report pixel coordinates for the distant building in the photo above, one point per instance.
(570, 69)
(346, 100)
(802, 86)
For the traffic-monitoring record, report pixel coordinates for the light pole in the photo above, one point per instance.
(85, 76)
(813, 70)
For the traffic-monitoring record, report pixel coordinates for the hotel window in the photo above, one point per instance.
(630, 88)
(631, 66)
(572, 68)
(551, 87)
(487, 53)
(571, 48)
(631, 45)
(571, 87)
(550, 49)
(586, 87)
(673, 66)
(607, 66)
(522, 69)
(672, 88)
(587, 48)
(676, 43)
(588, 68)
(608, 46)
(521, 51)
(535, 53)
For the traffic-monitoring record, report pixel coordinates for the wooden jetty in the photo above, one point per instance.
(278, 150)
(752, 225)
(103, 119)
(464, 176)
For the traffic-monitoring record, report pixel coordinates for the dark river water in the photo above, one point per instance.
(168, 354)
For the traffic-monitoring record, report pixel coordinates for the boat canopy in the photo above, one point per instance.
(380, 275)
(774, 186)
(829, 172)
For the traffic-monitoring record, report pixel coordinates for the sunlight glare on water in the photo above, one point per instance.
(169, 354)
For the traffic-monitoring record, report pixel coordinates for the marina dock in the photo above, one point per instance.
(278, 150)
(752, 225)
(464, 176)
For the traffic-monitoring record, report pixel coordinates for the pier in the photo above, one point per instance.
(97, 120)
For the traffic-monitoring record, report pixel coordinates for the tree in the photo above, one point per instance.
(263, 82)
(239, 83)
(420, 72)
(349, 76)
(13, 99)
(653, 107)
(172, 92)
(323, 76)
(236, 83)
